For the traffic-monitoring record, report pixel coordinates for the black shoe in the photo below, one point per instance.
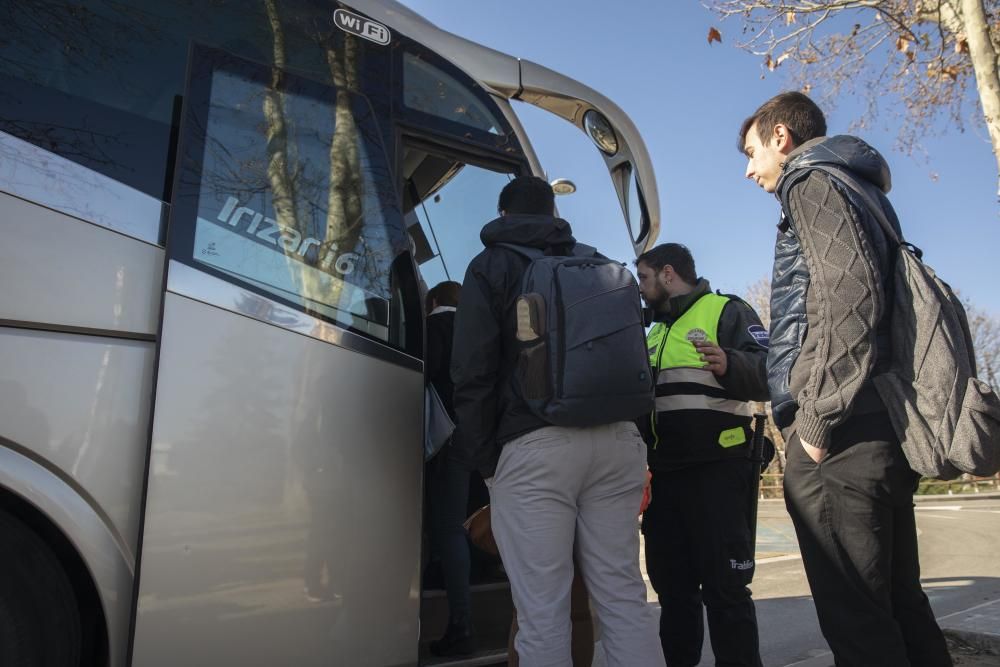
(457, 640)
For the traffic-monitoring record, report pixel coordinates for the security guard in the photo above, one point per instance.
(708, 352)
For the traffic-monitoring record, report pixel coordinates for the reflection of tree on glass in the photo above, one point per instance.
(310, 156)
(344, 210)
(293, 171)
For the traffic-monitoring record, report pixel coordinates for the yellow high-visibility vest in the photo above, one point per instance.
(683, 382)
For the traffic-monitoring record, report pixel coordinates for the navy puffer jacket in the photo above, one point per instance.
(791, 279)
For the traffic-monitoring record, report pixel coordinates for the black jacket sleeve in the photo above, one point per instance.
(475, 370)
(744, 339)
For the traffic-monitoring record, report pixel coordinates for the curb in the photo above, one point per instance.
(963, 497)
(924, 498)
(989, 644)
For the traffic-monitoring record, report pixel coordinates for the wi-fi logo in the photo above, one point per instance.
(362, 27)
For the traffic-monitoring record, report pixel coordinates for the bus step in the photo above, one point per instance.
(429, 593)
(492, 611)
(479, 659)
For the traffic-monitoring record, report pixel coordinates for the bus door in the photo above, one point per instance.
(457, 150)
(282, 517)
(447, 197)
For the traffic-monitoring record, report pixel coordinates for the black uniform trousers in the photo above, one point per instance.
(853, 515)
(698, 550)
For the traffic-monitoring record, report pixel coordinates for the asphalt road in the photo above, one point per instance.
(960, 559)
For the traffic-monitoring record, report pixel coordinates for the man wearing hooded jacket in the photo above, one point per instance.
(553, 490)
(708, 353)
(848, 486)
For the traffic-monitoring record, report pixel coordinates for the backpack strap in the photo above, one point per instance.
(584, 250)
(579, 250)
(874, 206)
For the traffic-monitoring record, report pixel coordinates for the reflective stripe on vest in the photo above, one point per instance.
(698, 402)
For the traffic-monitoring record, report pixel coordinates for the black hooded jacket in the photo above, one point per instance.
(489, 413)
(828, 289)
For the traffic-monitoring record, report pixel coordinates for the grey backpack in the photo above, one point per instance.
(582, 357)
(947, 419)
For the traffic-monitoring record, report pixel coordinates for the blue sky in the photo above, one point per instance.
(688, 98)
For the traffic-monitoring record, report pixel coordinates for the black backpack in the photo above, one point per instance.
(947, 420)
(582, 358)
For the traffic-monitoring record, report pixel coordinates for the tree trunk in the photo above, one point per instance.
(278, 172)
(984, 64)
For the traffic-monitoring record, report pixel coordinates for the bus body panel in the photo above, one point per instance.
(522, 136)
(283, 499)
(110, 568)
(80, 404)
(59, 272)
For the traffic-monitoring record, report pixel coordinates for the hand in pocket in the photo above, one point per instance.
(817, 454)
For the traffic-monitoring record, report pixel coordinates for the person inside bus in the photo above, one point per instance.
(448, 482)
(553, 490)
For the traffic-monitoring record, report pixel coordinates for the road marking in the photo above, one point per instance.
(949, 508)
(939, 516)
(814, 661)
(966, 611)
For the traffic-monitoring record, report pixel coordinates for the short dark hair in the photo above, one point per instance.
(446, 294)
(803, 118)
(674, 254)
(528, 195)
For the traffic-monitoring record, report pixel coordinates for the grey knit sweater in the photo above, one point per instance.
(845, 255)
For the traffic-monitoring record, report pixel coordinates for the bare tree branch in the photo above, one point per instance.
(924, 54)
(985, 330)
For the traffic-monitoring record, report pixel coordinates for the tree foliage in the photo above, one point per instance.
(930, 59)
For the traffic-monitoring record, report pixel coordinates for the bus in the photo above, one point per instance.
(219, 218)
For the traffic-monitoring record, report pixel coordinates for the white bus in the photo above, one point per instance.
(215, 218)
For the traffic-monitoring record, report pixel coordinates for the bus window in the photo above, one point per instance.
(428, 89)
(99, 82)
(285, 190)
(438, 97)
(446, 201)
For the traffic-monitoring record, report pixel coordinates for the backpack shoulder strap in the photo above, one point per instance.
(874, 206)
(578, 250)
